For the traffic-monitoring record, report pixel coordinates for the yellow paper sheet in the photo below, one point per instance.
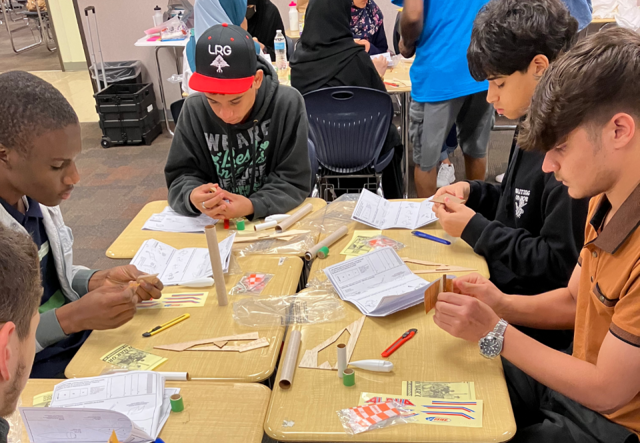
(177, 300)
(125, 356)
(113, 438)
(358, 244)
(42, 400)
(433, 411)
(439, 390)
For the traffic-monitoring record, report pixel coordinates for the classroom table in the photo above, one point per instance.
(307, 411)
(209, 321)
(176, 46)
(130, 240)
(397, 81)
(221, 412)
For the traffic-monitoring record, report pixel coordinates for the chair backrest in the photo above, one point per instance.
(348, 126)
(176, 109)
(291, 47)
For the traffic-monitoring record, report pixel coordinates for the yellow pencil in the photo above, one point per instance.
(166, 325)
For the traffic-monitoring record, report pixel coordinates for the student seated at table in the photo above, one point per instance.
(39, 143)
(528, 228)
(20, 292)
(263, 20)
(240, 147)
(327, 56)
(367, 26)
(585, 117)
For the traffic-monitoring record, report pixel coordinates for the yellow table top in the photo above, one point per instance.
(130, 240)
(209, 321)
(432, 355)
(222, 412)
(398, 75)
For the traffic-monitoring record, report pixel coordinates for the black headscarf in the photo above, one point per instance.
(264, 24)
(326, 50)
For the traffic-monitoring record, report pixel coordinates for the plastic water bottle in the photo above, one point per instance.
(280, 45)
(157, 16)
(293, 17)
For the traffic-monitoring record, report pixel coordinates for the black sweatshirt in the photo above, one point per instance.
(528, 229)
(265, 159)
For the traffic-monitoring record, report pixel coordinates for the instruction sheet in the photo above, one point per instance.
(379, 283)
(375, 211)
(170, 221)
(179, 266)
(440, 390)
(126, 356)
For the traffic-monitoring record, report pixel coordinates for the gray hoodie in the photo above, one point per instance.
(265, 158)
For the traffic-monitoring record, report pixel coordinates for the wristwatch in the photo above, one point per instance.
(491, 344)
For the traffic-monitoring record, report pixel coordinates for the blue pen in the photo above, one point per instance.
(431, 237)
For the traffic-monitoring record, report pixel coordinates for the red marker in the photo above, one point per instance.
(399, 342)
(226, 223)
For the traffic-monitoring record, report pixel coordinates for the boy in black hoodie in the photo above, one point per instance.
(528, 228)
(240, 147)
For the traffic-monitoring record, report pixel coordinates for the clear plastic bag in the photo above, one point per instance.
(251, 283)
(308, 307)
(367, 418)
(319, 281)
(174, 29)
(381, 241)
(15, 425)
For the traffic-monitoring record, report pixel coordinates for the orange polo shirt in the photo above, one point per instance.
(609, 295)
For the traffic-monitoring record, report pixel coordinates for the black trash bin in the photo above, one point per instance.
(128, 114)
(117, 73)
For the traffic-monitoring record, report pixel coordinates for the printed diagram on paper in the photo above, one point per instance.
(132, 358)
(379, 213)
(430, 411)
(378, 283)
(439, 390)
(170, 221)
(178, 266)
(359, 243)
(179, 300)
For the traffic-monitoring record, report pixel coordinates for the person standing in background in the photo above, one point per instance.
(443, 91)
(367, 26)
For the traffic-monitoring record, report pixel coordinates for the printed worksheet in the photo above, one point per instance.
(47, 425)
(139, 395)
(178, 266)
(375, 211)
(170, 221)
(379, 283)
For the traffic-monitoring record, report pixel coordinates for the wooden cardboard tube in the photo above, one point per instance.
(342, 359)
(216, 264)
(311, 253)
(290, 359)
(294, 218)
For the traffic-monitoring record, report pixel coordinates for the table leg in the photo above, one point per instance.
(161, 86)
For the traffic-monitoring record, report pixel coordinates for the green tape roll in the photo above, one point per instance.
(323, 252)
(177, 405)
(349, 377)
(240, 225)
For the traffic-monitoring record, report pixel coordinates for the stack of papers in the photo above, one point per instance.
(133, 404)
(179, 266)
(170, 221)
(378, 283)
(379, 213)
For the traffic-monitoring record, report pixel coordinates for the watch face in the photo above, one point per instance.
(491, 346)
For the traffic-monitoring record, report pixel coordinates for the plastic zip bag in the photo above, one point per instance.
(377, 416)
(381, 241)
(309, 307)
(251, 283)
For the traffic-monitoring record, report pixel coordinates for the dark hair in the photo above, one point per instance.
(587, 85)
(20, 285)
(30, 107)
(508, 34)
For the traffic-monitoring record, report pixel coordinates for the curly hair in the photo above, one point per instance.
(508, 34)
(586, 86)
(30, 107)
(20, 285)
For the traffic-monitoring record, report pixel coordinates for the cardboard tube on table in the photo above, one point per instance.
(342, 359)
(341, 232)
(216, 264)
(175, 376)
(290, 359)
(266, 225)
(294, 218)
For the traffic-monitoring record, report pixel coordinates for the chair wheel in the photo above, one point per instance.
(105, 142)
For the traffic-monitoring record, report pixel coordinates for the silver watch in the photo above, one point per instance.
(491, 344)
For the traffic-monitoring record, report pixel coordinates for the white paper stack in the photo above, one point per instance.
(179, 266)
(134, 404)
(379, 213)
(170, 221)
(378, 283)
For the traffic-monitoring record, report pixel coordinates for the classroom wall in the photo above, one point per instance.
(67, 35)
(388, 10)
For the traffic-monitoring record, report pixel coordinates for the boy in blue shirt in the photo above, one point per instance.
(443, 91)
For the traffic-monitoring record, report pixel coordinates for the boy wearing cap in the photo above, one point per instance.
(240, 145)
